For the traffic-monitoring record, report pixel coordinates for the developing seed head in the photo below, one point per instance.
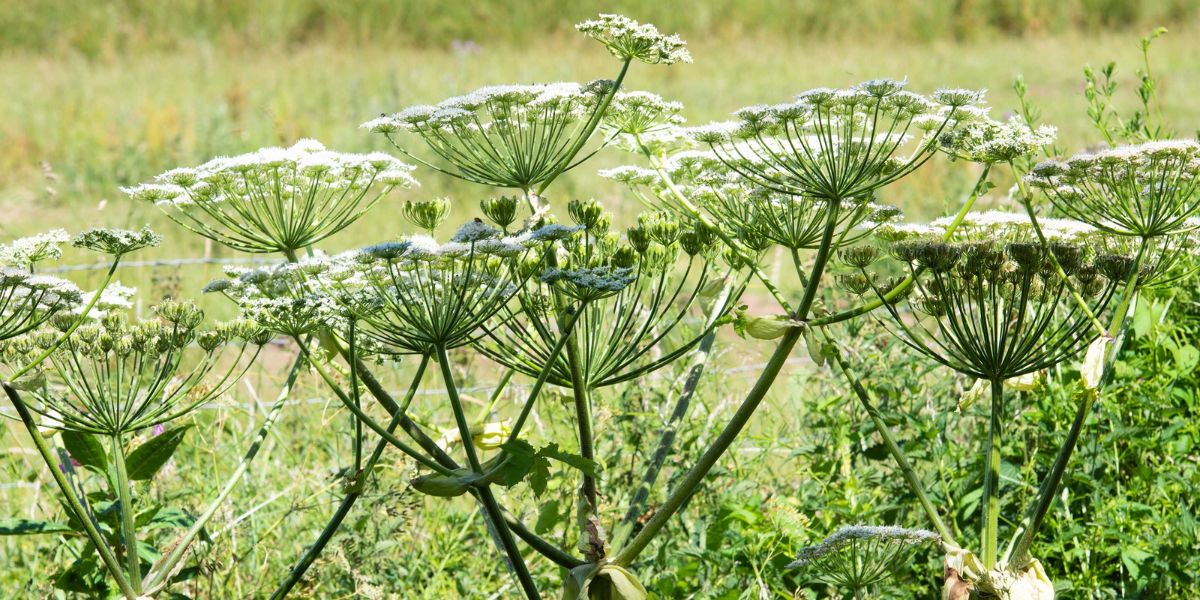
(590, 215)
(859, 257)
(1027, 255)
(623, 257)
(855, 283)
(1115, 266)
(1069, 256)
(427, 214)
(661, 226)
(698, 239)
(938, 257)
(983, 259)
(501, 210)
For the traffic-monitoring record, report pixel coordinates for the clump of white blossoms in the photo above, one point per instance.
(25, 252)
(837, 143)
(275, 199)
(114, 378)
(629, 40)
(514, 136)
(116, 242)
(859, 557)
(985, 140)
(991, 225)
(1146, 191)
(27, 301)
(641, 112)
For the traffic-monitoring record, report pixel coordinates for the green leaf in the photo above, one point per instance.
(85, 448)
(539, 475)
(31, 527)
(548, 517)
(147, 459)
(513, 464)
(574, 460)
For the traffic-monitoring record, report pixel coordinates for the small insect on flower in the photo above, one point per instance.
(629, 40)
(275, 199)
(859, 557)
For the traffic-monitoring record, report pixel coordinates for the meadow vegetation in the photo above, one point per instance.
(109, 95)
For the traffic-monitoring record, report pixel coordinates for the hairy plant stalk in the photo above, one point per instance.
(581, 396)
(906, 469)
(989, 531)
(694, 477)
(590, 128)
(357, 489)
(73, 503)
(128, 529)
(665, 441)
(490, 506)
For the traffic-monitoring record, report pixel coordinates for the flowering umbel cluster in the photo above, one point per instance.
(837, 144)
(275, 199)
(859, 557)
(628, 40)
(633, 295)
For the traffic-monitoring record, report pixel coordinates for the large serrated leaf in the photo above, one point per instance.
(146, 460)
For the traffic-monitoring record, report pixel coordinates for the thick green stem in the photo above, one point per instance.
(989, 531)
(128, 530)
(490, 506)
(73, 503)
(581, 395)
(356, 491)
(590, 128)
(906, 469)
(665, 441)
(695, 476)
(564, 334)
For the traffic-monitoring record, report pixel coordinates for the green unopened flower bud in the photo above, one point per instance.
(661, 226)
(210, 340)
(1069, 256)
(639, 239)
(1028, 255)
(938, 257)
(427, 214)
(62, 321)
(589, 214)
(185, 315)
(502, 211)
(1115, 266)
(855, 283)
(623, 257)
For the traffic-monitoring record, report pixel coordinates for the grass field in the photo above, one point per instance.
(86, 110)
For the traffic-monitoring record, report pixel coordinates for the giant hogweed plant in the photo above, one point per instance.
(579, 305)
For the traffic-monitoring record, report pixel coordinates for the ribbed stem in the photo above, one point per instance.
(128, 530)
(989, 530)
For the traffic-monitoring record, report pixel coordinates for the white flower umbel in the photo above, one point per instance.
(116, 242)
(629, 40)
(26, 252)
(837, 143)
(985, 140)
(513, 136)
(1146, 191)
(275, 199)
(115, 378)
(27, 301)
(641, 113)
